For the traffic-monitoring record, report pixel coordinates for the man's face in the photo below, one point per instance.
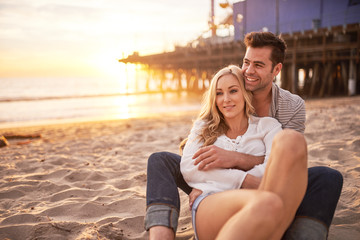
(258, 70)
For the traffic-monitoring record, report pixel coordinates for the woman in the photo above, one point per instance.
(222, 210)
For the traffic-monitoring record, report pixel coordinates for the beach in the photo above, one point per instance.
(87, 180)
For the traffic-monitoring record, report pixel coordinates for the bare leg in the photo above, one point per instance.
(264, 214)
(286, 174)
(161, 233)
(240, 216)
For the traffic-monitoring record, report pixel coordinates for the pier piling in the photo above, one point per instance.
(328, 58)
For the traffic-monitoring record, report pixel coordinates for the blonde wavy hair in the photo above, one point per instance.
(215, 124)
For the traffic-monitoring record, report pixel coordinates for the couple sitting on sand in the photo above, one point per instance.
(245, 176)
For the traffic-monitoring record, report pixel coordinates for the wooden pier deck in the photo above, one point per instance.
(327, 59)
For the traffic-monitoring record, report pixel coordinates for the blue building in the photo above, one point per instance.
(288, 16)
(322, 38)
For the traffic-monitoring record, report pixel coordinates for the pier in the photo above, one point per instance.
(319, 62)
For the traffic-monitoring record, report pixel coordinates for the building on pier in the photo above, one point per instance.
(322, 59)
(289, 16)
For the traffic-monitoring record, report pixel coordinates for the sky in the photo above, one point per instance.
(83, 38)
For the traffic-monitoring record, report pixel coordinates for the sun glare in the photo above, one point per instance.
(108, 66)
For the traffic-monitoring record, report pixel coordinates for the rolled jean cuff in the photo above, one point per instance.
(305, 228)
(161, 215)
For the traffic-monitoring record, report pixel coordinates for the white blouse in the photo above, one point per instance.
(256, 141)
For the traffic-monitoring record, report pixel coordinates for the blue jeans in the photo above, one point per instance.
(163, 201)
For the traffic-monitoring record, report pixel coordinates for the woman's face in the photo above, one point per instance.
(229, 97)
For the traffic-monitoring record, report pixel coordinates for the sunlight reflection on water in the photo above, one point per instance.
(26, 100)
(96, 108)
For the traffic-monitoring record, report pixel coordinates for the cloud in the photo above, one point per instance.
(75, 30)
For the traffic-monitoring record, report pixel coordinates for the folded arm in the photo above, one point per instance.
(215, 180)
(212, 157)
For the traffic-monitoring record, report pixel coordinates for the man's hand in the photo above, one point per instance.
(193, 195)
(211, 157)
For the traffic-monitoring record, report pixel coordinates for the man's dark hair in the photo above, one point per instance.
(267, 39)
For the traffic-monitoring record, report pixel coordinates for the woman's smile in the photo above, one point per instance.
(229, 107)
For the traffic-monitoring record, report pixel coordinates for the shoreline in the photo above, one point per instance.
(24, 113)
(85, 120)
(309, 103)
(88, 179)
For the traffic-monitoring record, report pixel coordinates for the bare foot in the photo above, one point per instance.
(161, 233)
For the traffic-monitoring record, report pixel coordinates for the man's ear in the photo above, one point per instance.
(277, 68)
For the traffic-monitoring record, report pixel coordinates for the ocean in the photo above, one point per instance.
(29, 101)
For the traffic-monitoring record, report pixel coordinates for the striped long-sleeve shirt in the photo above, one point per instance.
(288, 109)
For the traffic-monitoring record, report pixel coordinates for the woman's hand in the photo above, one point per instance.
(211, 157)
(193, 195)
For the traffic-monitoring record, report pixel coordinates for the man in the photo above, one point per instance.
(263, 60)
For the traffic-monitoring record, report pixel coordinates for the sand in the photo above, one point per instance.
(88, 180)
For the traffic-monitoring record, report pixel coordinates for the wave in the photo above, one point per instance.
(42, 98)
